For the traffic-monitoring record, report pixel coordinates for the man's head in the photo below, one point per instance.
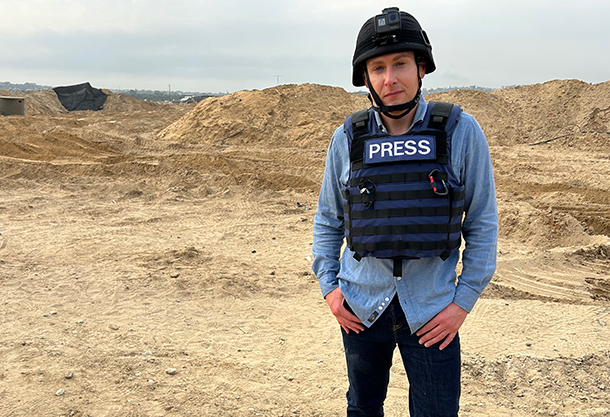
(391, 33)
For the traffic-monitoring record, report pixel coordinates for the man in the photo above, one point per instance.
(404, 182)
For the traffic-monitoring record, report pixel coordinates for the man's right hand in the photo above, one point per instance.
(346, 320)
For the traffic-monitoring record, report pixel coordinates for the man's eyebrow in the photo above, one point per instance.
(375, 61)
(403, 55)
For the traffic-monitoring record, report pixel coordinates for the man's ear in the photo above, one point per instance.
(366, 81)
(422, 68)
(421, 65)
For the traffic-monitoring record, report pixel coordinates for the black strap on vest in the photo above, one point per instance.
(406, 229)
(403, 195)
(400, 177)
(393, 245)
(407, 212)
(397, 268)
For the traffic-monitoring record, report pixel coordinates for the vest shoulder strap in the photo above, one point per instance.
(360, 127)
(360, 120)
(440, 115)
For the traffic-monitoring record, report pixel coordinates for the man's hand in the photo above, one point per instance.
(346, 320)
(444, 325)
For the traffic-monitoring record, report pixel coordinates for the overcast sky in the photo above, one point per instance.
(230, 45)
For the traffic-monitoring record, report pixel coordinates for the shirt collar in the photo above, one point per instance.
(420, 113)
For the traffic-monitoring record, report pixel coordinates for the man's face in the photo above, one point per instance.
(394, 77)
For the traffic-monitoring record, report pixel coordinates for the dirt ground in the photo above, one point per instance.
(155, 259)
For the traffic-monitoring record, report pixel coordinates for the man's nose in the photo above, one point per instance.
(390, 77)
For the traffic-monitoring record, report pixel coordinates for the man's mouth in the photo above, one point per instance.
(393, 94)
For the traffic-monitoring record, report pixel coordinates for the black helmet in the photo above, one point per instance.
(390, 32)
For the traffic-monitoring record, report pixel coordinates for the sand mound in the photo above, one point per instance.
(287, 115)
(55, 143)
(302, 114)
(533, 113)
(546, 229)
(45, 102)
(38, 102)
(121, 103)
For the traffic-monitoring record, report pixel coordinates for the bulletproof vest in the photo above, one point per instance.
(403, 199)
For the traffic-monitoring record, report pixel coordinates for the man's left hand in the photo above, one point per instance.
(444, 325)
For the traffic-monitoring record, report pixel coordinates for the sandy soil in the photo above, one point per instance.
(155, 259)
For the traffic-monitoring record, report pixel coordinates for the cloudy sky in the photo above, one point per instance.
(230, 45)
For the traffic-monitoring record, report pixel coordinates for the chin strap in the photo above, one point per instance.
(379, 107)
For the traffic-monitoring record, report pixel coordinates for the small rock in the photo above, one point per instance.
(171, 371)
(174, 275)
(69, 375)
(114, 327)
(60, 392)
(53, 313)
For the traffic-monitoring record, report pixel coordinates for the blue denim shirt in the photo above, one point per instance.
(428, 285)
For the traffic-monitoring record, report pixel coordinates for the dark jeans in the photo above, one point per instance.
(434, 375)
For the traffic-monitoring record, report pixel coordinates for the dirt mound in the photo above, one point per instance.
(546, 229)
(539, 112)
(43, 102)
(294, 115)
(56, 143)
(116, 103)
(302, 114)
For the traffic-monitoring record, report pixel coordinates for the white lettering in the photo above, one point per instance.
(398, 147)
(386, 147)
(425, 147)
(410, 148)
(373, 149)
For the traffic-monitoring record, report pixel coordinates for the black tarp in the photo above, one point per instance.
(81, 97)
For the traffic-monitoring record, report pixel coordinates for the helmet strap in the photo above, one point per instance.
(379, 107)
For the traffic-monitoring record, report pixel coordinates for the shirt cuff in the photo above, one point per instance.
(465, 297)
(328, 282)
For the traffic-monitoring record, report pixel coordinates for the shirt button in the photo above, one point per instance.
(387, 299)
(382, 304)
(380, 308)
(399, 278)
